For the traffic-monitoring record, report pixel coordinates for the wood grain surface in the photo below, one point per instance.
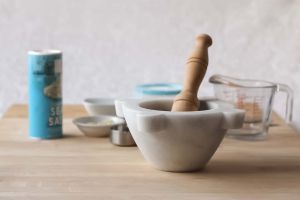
(77, 167)
(21, 111)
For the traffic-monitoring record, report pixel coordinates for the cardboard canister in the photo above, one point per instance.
(45, 94)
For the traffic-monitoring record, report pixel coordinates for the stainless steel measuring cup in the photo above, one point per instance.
(256, 98)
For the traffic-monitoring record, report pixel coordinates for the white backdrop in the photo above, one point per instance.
(111, 45)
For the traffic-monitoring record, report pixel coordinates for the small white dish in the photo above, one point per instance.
(99, 106)
(97, 126)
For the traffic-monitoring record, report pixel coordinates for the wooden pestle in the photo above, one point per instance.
(196, 66)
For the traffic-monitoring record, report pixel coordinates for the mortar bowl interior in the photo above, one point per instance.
(166, 105)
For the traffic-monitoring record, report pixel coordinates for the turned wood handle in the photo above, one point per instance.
(195, 70)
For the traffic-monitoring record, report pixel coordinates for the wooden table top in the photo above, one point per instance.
(77, 167)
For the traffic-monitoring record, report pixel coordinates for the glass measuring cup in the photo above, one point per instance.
(256, 98)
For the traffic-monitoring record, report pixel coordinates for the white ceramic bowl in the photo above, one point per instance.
(97, 126)
(99, 106)
(178, 141)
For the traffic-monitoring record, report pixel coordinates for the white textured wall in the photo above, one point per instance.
(111, 45)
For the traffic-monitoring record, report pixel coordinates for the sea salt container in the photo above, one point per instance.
(45, 94)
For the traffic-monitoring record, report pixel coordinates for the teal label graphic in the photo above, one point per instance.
(45, 94)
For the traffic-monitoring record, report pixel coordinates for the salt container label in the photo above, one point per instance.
(45, 94)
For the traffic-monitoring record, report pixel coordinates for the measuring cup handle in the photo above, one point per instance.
(289, 101)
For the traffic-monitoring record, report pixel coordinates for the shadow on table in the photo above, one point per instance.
(262, 166)
(69, 135)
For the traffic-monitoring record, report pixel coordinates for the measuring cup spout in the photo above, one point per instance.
(220, 79)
